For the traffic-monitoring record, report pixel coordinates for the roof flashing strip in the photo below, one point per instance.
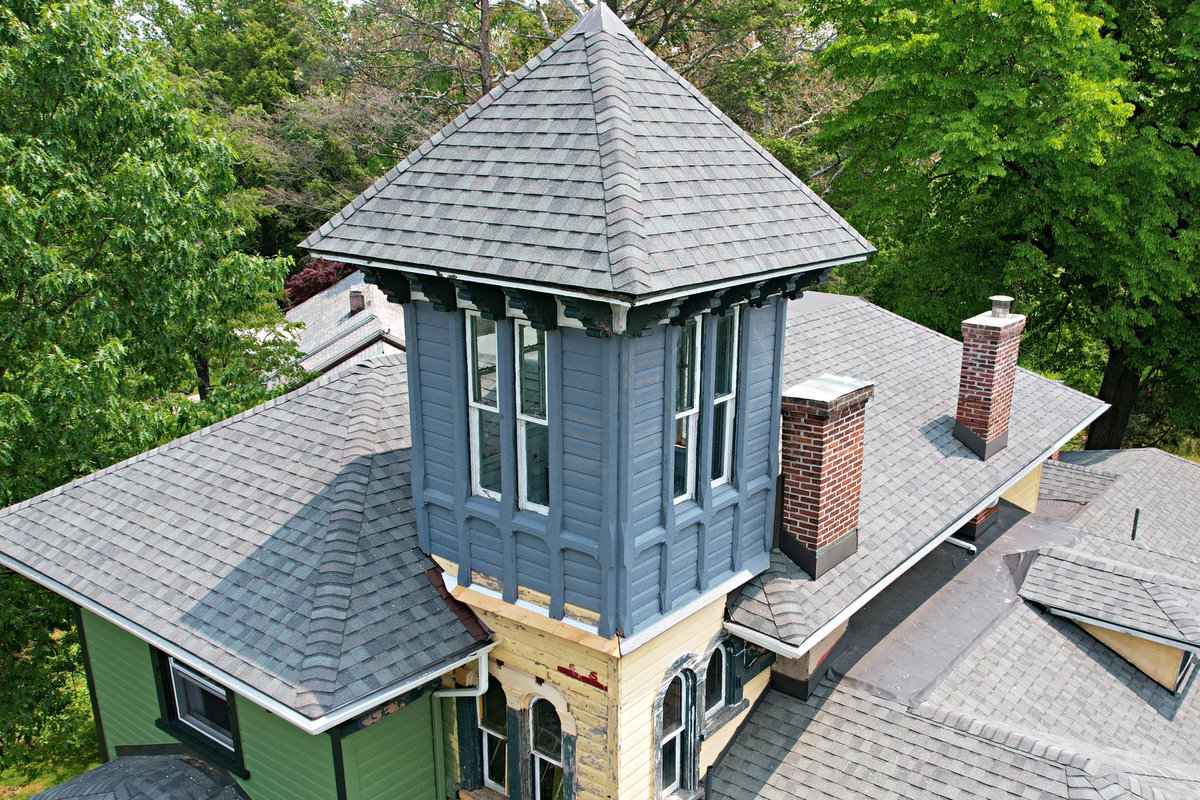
(789, 650)
(236, 685)
(1119, 628)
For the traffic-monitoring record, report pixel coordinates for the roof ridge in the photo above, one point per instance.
(619, 167)
(339, 556)
(1075, 555)
(748, 140)
(433, 141)
(313, 385)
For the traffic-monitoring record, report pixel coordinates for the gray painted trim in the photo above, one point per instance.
(671, 346)
(506, 374)
(738, 478)
(707, 330)
(773, 462)
(625, 531)
(612, 467)
(977, 444)
(417, 432)
(457, 342)
(554, 520)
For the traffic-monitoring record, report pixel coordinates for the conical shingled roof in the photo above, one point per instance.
(594, 168)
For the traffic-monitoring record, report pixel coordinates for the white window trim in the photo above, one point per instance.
(523, 500)
(724, 656)
(487, 732)
(223, 738)
(473, 406)
(692, 416)
(727, 404)
(539, 756)
(675, 736)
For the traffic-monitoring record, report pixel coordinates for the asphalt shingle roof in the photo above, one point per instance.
(594, 167)
(277, 546)
(1143, 600)
(333, 340)
(917, 478)
(156, 777)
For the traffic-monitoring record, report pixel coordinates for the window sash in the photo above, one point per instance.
(725, 403)
(497, 746)
(714, 685)
(687, 412)
(483, 415)
(533, 430)
(672, 757)
(181, 678)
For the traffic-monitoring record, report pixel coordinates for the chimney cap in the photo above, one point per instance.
(1001, 303)
(826, 388)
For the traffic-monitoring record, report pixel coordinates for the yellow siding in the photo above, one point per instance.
(716, 742)
(1160, 661)
(641, 675)
(1024, 493)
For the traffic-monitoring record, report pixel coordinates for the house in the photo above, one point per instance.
(604, 526)
(346, 323)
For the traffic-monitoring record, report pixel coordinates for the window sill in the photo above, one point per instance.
(723, 716)
(482, 793)
(207, 750)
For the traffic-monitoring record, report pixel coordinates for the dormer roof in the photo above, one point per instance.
(595, 169)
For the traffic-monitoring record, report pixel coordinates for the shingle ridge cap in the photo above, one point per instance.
(1177, 610)
(752, 143)
(437, 138)
(1082, 557)
(308, 388)
(619, 166)
(1071, 466)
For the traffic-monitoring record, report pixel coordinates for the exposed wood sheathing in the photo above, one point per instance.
(1024, 492)
(1160, 661)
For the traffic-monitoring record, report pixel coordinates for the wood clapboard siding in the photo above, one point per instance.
(125, 689)
(285, 763)
(716, 741)
(1024, 493)
(394, 758)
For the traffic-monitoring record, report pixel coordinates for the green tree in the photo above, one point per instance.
(122, 292)
(1044, 147)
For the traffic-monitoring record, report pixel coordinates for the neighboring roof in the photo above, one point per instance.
(594, 168)
(847, 743)
(918, 480)
(332, 339)
(277, 547)
(156, 777)
(1145, 601)
(1064, 482)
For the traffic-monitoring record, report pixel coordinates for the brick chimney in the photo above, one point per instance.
(822, 456)
(989, 369)
(358, 301)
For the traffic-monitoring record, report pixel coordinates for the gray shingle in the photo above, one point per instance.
(597, 168)
(917, 478)
(276, 546)
(151, 777)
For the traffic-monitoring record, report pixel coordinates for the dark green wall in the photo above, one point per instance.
(394, 758)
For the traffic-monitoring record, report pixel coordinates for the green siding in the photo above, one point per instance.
(125, 688)
(394, 758)
(285, 763)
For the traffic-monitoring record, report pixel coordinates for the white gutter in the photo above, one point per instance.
(561, 292)
(788, 650)
(1113, 626)
(236, 685)
(481, 680)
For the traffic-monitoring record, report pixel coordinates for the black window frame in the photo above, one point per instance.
(205, 746)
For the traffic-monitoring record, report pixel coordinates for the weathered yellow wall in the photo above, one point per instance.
(714, 743)
(1024, 493)
(1160, 661)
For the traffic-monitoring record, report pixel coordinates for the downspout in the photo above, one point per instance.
(439, 747)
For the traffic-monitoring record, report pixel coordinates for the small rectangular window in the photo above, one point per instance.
(493, 730)
(724, 397)
(201, 705)
(687, 410)
(484, 406)
(533, 432)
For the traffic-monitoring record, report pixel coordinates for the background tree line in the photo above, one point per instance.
(160, 160)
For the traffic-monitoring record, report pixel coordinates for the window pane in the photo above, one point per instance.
(670, 764)
(547, 730)
(683, 460)
(720, 455)
(489, 449)
(549, 779)
(494, 714)
(726, 357)
(673, 706)
(537, 465)
(532, 348)
(495, 759)
(714, 680)
(685, 368)
(202, 707)
(483, 350)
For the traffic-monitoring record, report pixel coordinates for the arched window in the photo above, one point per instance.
(493, 732)
(546, 744)
(676, 734)
(714, 682)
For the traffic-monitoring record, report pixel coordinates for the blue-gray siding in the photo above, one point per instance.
(614, 541)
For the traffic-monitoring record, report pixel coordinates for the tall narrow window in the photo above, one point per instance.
(546, 744)
(484, 406)
(533, 434)
(675, 711)
(724, 397)
(714, 682)
(493, 732)
(687, 410)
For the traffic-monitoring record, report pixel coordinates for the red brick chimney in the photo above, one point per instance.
(989, 369)
(358, 301)
(822, 455)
